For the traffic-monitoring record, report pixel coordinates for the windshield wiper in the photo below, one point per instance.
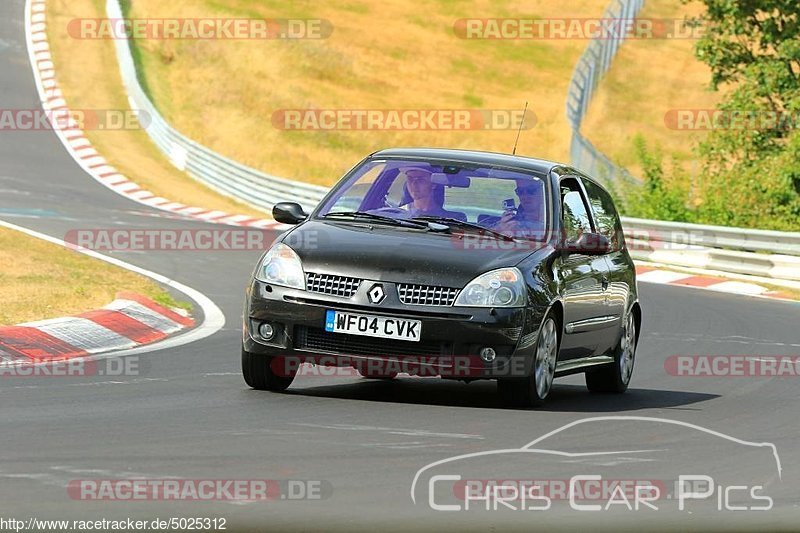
(379, 218)
(464, 224)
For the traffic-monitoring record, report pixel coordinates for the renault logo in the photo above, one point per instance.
(376, 294)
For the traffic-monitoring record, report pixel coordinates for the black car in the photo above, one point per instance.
(459, 264)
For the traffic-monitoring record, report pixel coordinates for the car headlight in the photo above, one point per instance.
(282, 266)
(503, 287)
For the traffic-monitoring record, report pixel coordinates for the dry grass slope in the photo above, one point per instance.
(40, 280)
(387, 55)
(384, 55)
(647, 80)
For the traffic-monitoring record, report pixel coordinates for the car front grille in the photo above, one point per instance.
(426, 294)
(306, 338)
(330, 284)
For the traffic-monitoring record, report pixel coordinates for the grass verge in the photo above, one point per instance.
(40, 280)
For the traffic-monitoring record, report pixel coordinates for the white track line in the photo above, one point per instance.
(95, 165)
(213, 318)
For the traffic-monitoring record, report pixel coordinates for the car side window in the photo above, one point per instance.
(605, 214)
(574, 216)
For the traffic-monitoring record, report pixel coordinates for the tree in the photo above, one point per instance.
(751, 174)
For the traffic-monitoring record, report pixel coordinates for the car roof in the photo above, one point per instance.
(473, 156)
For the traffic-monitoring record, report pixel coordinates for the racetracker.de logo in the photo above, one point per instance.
(62, 119)
(135, 489)
(402, 119)
(385, 366)
(576, 28)
(72, 368)
(206, 29)
(730, 119)
(733, 366)
(578, 488)
(174, 240)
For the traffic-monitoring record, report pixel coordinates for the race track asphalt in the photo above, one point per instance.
(190, 415)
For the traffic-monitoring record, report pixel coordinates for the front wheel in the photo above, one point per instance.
(263, 372)
(531, 391)
(615, 377)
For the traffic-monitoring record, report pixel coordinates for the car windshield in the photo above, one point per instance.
(511, 202)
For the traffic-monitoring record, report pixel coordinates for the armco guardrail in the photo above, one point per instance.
(752, 240)
(773, 254)
(592, 65)
(766, 253)
(222, 174)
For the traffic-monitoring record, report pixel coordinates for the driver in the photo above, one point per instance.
(424, 198)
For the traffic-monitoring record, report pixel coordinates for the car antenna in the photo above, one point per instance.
(521, 122)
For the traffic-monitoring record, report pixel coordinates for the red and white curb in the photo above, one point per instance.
(79, 146)
(129, 321)
(647, 274)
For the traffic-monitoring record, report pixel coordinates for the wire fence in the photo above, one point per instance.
(592, 65)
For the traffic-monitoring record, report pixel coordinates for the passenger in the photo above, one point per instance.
(529, 219)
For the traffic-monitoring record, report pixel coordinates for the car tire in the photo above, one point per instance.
(614, 378)
(258, 373)
(534, 389)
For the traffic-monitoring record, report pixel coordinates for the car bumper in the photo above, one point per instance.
(451, 337)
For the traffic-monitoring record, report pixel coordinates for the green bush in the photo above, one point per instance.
(750, 174)
(658, 198)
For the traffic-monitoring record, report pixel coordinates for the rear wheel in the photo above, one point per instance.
(532, 390)
(616, 377)
(263, 372)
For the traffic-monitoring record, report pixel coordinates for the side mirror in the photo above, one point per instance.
(289, 213)
(589, 244)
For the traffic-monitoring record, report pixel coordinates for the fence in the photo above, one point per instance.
(592, 65)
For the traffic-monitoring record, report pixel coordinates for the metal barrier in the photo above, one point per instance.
(592, 65)
(747, 240)
(773, 254)
(203, 164)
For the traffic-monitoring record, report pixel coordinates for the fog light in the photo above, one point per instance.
(266, 331)
(487, 354)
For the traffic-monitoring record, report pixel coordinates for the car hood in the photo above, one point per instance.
(393, 254)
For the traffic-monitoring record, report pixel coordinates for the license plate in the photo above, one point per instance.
(373, 326)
